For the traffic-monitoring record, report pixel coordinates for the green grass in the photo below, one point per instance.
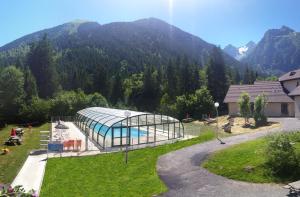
(11, 163)
(231, 162)
(196, 129)
(107, 175)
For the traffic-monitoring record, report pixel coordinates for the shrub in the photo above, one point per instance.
(201, 102)
(67, 103)
(259, 110)
(37, 111)
(282, 159)
(244, 105)
(16, 191)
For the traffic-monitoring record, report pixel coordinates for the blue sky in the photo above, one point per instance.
(217, 21)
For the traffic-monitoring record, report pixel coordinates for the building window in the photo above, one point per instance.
(284, 109)
(297, 84)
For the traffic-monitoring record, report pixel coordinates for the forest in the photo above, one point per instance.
(47, 82)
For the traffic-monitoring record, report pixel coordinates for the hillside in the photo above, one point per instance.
(146, 41)
(277, 52)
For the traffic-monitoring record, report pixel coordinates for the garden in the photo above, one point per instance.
(273, 158)
(11, 163)
(108, 175)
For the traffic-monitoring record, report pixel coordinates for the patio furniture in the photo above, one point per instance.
(294, 187)
(19, 132)
(55, 147)
(13, 140)
(44, 139)
(72, 143)
(78, 145)
(66, 145)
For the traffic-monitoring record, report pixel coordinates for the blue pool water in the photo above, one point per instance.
(134, 132)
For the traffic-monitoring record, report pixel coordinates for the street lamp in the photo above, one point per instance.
(127, 114)
(216, 106)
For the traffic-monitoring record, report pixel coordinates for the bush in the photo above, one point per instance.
(37, 111)
(259, 110)
(244, 106)
(282, 159)
(67, 103)
(195, 105)
(167, 106)
(16, 191)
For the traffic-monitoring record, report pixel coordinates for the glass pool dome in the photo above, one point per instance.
(107, 127)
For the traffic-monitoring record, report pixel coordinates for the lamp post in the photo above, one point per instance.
(216, 106)
(127, 114)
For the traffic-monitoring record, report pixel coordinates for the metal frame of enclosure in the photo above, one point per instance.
(108, 127)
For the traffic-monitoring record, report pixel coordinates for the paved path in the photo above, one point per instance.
(31, 174)
(181, 171)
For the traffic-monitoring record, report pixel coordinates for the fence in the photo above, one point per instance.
(62, 118)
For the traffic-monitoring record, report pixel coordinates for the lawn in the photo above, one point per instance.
(234, 162)
(107, 175)
(11, 163)
(195, 129)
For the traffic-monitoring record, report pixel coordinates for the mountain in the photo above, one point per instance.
(239, 52)
(231, 50)
(277, 52)
(145, 41)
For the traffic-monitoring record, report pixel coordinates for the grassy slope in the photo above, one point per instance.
(107, 175)
(11, 163)
(232, 161)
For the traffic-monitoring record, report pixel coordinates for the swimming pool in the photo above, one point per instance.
(134, 132)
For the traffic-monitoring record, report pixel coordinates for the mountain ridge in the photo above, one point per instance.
(277, 52)
(150, 38)
(239, 52)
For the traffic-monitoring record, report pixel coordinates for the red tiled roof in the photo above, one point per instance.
(295, 74)
(272, 89)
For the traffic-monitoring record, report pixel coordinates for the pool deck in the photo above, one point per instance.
(73, 133)
(32, 172)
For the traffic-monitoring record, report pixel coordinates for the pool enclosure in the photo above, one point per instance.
(108, 127)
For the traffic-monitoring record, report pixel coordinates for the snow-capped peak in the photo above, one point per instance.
(243, 50)
(239, 52)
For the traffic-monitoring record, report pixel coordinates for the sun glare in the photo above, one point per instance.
(171, 3)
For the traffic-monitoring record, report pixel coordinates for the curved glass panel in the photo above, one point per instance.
(115, 127)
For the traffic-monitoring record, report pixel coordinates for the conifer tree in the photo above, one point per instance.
(216, 75)
(30, 87)
(41, 63)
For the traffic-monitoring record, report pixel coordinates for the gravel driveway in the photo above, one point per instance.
(181, 172)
